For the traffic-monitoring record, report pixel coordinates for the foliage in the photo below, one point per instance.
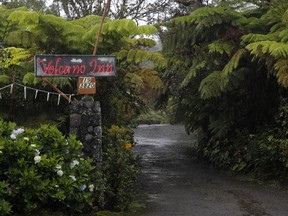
(37, 173)
(226, 69)
(119, 167)
(24, 33)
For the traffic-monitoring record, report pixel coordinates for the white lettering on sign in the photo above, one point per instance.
(87, 83)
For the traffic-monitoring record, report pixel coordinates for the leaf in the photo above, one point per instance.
(220, 47)
(213, 85)
(28, 78)
(234, 61)
(4, 79)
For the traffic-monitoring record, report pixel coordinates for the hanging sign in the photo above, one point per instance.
(86, 85)
(74, 66)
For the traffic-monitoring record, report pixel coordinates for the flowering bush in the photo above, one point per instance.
(119, 167)
(41, 169)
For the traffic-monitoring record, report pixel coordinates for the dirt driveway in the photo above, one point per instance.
(176, 185)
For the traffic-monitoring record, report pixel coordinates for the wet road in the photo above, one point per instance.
(176, 184)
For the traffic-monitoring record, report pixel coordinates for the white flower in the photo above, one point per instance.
(73, 177)
(60, 173)
(91, 188)
(13, 136)
(16, 132)
(83, 187)
(26, 138)
(74, 163)
(37, 159)
(58, 167)
(57, 186)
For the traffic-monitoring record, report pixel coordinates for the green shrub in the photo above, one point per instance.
(41, 169)
(119, 167)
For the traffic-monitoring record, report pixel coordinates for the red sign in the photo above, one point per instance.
(86, 85)
(74, 66)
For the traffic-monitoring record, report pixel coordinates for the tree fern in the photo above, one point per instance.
(272, 48)
(250, 38)
(142, 56)
(234, 61)
(17, 55)
(213, 85)
(220, 47)
(24, 17)
(281, 66)
(192, 72)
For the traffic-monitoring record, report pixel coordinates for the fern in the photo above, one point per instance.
(220, 47)
(135, 80)
(249, 38)
(24, 17)
(196, 66)
(234, 61)
(17, 56)
(281, 66)
(146, 30)
(142, 56)
(131, 55)
(28, 78)
(121, 54)
(272, 48)
(4, 79)
(213, 85)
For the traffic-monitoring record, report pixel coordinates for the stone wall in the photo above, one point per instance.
(85, 123)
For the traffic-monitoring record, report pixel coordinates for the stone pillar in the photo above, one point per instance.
(85, 123)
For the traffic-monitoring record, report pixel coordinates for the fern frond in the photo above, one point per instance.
(17, 56)
(275, 49)
(284, 35)
(146, 42)
(135, 80)
(4, 79)
(250, 38)
(196, 65)
(213, 85)
(220, 47)
(281, 67)
(142, 56)
(60, 82)
(122, 54)
(146, 30)
(88, 21)
(24, 17)
(131, 55)
(125, 27)
(28, 78)
(234, 61)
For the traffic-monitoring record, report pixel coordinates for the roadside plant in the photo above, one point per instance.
(41, 169)
(119, 167)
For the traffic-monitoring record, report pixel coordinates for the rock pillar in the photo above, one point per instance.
(85, 123)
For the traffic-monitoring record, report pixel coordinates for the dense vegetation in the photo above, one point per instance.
(227, 73)
(224, 65)
(40, 179)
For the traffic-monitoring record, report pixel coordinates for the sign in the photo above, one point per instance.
(86, 85)
(74, 66)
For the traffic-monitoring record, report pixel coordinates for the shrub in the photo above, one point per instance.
(119, 167)
(42, 169)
